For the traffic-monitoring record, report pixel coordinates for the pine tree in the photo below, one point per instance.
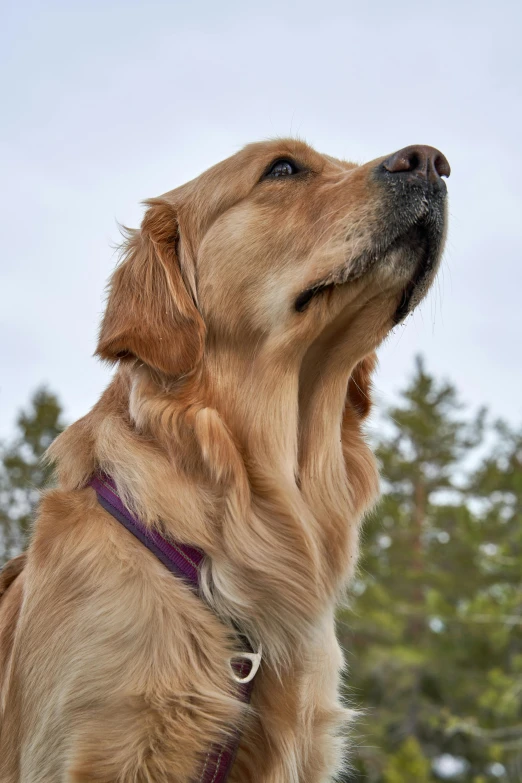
(22, 473)
(402, 643)
(494, 613)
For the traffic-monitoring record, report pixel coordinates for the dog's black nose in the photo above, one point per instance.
(420, 161)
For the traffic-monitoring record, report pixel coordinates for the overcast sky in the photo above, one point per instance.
(107, 103)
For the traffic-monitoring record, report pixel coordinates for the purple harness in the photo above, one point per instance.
(184, 562)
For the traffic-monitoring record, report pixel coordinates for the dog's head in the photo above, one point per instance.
(278, 243)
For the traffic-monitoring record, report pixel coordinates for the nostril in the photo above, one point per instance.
(442, 167)
(414, 161)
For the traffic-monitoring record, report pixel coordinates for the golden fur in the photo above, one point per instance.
(233, 423)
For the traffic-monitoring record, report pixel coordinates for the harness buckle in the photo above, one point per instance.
(254, 660)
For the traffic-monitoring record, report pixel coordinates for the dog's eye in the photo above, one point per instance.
(282, 168)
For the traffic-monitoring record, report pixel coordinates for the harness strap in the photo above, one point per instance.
(184, 561)
(181, 560)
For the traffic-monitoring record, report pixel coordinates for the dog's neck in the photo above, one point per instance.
(268, 477)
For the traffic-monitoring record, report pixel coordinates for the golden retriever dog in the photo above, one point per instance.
(242, 320)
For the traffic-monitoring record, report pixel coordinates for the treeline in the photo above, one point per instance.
(433, 629)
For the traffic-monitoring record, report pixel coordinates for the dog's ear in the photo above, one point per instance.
(360, 385)
(150, 313)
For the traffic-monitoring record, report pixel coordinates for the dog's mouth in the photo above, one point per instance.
(423, 250)
(417, 249)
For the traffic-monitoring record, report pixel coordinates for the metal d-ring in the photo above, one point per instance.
(255, 663)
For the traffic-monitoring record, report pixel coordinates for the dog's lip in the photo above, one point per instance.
(306, 296)
(420, 231)
(425, 243)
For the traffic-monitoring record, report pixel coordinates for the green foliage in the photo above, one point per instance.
(408, 765)
(22, 473)
(434, 634)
